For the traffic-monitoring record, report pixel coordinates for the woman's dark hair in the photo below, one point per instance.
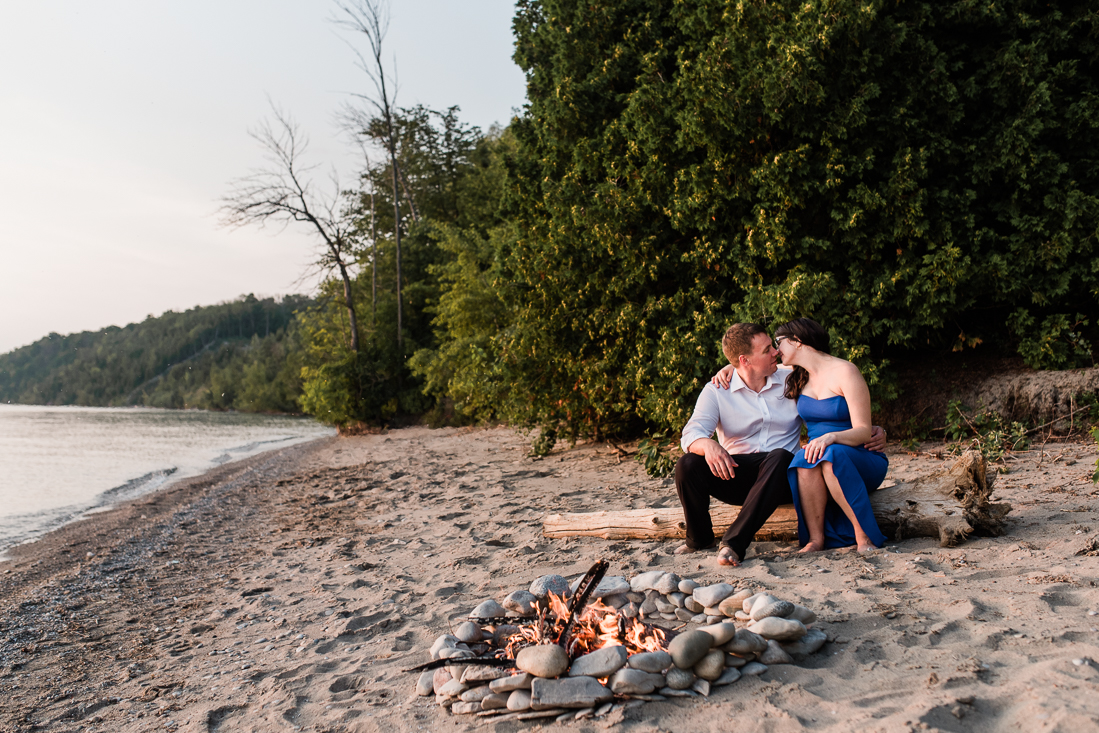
(805, 331)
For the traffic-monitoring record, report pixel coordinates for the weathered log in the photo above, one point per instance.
(948, 505)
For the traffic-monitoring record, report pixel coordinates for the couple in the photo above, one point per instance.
(757, 409)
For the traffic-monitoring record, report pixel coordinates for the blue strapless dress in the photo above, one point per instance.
(859, 471)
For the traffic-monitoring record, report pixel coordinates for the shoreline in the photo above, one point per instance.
(290, 590)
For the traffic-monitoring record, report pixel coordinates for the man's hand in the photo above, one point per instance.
(877, 440)
(717, 458)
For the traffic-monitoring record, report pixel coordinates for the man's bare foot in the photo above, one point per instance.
(726, 556)
(684, 550)
(811, 546)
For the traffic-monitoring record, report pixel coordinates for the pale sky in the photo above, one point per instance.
(122, 122)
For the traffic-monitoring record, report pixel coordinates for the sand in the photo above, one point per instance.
(291, 590)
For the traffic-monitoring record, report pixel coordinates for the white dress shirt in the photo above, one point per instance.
(746, 421)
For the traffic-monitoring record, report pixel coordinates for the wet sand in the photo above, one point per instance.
(289, 591)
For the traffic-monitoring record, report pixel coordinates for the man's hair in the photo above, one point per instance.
(738, 340)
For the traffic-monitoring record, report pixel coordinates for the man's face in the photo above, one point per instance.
(763, 358)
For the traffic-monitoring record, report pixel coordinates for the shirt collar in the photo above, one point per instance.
(736, 382)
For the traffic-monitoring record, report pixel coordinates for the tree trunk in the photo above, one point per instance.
(947, 505)
(373, 265)
(408, 195)
(396, 235)
(350, 304)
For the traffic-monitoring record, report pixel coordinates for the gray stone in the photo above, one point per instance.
(495, 701)
(455, 653)
(648, 608)
(742, 616)
(616, 601)
(444, 701)
(809, 644)
(635, 597)
(519, 700)
(775, 654)
(611, 586)
(667, 583)
(477, 673)
(687, 586)
(781, 609)
(728, 677)
(730, 606)
(465, 708)
(446, 641)
(645, 581)
(679, 679)
(677, 598)
(723, 632)
(503, 633)
(700, 618)
(454, 688)
(745, 642)
(746, 604)
(712, 611)
(669, 616)
(683, 614)
(803, 614)
(600, 663)
(761, 600)
(711, 620)
(488, 609)
(779, 629)
(692, 605)
(457, 671)
(569, 692)
(711, 595)
(732, 660)
(654, 662)
(630, 610)
(439, 678)
(710, 666)
(664, 606)
(469, 632)
(635, 682)
(672, 692)
(476, 694)
(752, 669)
(542, 587)
(511, 682)
(702, 687)
(522, 602)
(689, 647)
(425, 684)
(544, 660)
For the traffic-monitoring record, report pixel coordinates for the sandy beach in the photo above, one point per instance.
(290, 591)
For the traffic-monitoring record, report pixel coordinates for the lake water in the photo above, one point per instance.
(58, 464)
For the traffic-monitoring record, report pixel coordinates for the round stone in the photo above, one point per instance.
(495, 701)
(782, 609)
(809, 644)
(425, 685)
(630, 610)
(663, 606)
(523, 602)
(645, 581)
(779, 629)
(542, 587)
(723, 632)
(667, 583)
(687, 586)
(712, 595)
(469, 632)
(635, 682)
(439, 678)
(728, 677)
(692, 605)
(745, 642)
(654, 662)
(752, 669)
(711, 666)
(761, 600)
(732, 660)
(446, 641)
(519, 700)
(677, 598)
(679, 679)
(689, 647)
(488, 609)
(544, 660)
(803, 614)
(600, 663)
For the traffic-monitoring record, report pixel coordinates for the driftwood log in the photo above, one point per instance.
(948, 505)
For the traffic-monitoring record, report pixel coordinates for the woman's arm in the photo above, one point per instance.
(853, 389)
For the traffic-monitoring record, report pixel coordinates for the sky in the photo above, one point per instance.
(123, 122)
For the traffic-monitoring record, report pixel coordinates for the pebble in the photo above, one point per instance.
(679, 679)
(477, 673)
(469, 633)
(730, 606)
(568, 692)
(446, 641)
(732, 660)
(439, 678)
(600, 663)
(667, 583)
(523, 602)
(511, 683)
(672, 692)
(542, 587)
(477, 694)
(645, 581)
(544, 660)
(775, 654)
(630, 610)
(712, 595)
(711, 666)
(692, 605)
(611, 586)
(648, 608)
(495, 701)
(670, 616)
(677, 598)
(713, 619)
(752, 669)
(654, 662)
(702, 687)
(488, 609)
(425, 685)
(689, 647)
(728, 677)
(1080, 661)
(635, 597)
(519, 700)
(781, 609)
(664, 606)
(635, 682)
(809, 644)
(454, 653)
(700, 618)
(746, 642)
(465, 708)
(617, 601)
(454, 688)
(779, 629)
(742, 616)
(687, 586)
(722, 633)
(683, 614)
(803, 614)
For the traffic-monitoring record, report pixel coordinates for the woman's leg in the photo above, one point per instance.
(836, 491)
(813, 495)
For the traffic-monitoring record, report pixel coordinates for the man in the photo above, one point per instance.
(758, 431)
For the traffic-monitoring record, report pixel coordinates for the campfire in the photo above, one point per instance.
(555, 649)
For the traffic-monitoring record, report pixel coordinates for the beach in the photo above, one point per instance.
(292, 589)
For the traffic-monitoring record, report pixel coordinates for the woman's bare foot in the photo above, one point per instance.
(868, 547)
(726, 556)
(684, 550)
(811, 546)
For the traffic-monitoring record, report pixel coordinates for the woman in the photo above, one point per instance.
(832, 476)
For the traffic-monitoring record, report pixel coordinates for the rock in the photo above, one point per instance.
(667, 583)
(728, 677)
(751, 669)
(544, 660)
(741, 594)
(425, 685)
(616, 601)
(635, 682)
(477, 673)
(683, 614)
(648, 608)
(710, 666)
(630, 610)
(568, 692)
(645, 581)
(692, 605)
(711, 620)
(654, 662)
(677, 598)
(522, 602)
(803, 614)
(446, 641)
(732, 660)
(444, 701)
(746, 605)
(542, 587)
(687, 586)
(457, 671)
(455, 653)
(760, 601)
(600, 663)
(635, 597)
(711, 611)
(465, 708)
(700, 618)
(610, 586)
(775, 654)
(722, 633)
(495, 701)
(488, 609)
(711, 595)
(476, 694)
(511, 683)
(439, 678)
(809, 644)
(729, 606)
(702, 687)
(779, 629)
(745, 642)
(503, 633)
(742, 616)
(669, 616)
(454, 688)
(679, 679)
(469, 632)
(781, 609)
(519, 700)
(689, 647)
(671, 692)
(664, 606)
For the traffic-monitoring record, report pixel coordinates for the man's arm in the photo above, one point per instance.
(696, 435)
